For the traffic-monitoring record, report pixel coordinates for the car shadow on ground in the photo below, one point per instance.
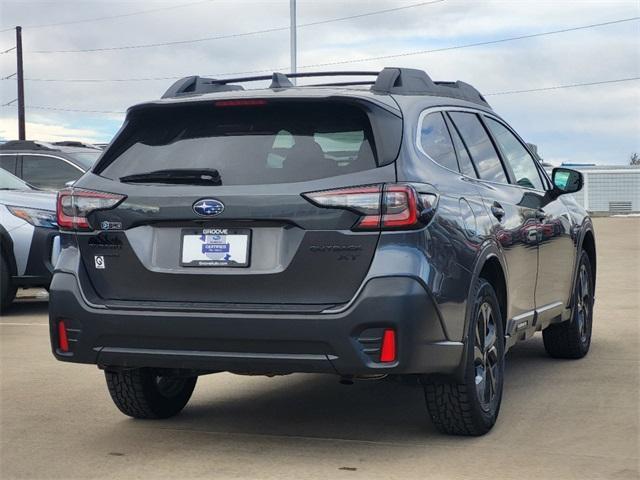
(27, 307)
(314, 405)
(318, 406)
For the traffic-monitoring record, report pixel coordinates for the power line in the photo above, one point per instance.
(507, 92)
(62, 109)
(8, 49)
(122, 15)
(342, 62)
(467, 45)
(557, 87)
(237, 35)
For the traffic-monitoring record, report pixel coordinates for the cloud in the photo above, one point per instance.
(601, 122)
(49, 132)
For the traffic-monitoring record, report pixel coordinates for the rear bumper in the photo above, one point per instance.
(344, 342)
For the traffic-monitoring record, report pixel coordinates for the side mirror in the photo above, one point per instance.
(566, 180)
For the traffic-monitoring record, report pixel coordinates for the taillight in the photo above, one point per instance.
(388, 207)
(74, 205)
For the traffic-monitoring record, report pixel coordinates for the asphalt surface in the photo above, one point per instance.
(559, 419)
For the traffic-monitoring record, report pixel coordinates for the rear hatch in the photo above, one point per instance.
(210, 207)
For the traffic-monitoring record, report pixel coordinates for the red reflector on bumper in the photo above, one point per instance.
(388, 349)
(63, 341)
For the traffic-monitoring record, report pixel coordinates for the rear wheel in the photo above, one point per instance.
(7, 289)
(471, 407)
(149, 393)
(572, 339)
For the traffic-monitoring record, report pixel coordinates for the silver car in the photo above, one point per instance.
(29, 240)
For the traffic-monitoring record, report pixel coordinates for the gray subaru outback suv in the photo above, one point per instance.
(394, 226)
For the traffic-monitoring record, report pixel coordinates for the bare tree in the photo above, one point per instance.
(634, 159)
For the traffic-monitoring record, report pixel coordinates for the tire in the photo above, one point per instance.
(143, 393)
(572, 339)
(471, 407)
(7, 290)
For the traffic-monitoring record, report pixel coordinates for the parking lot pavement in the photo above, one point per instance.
(559, 419)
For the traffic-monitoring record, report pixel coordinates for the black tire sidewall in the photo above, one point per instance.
(584, 346)
(164, 407)
(484, 418)
(7, 290)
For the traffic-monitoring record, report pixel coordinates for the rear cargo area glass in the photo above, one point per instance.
(270, 143)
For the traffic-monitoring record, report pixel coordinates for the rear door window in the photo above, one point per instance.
(436, 142)
(483, 153)
(248, 145)
(50, 173)
(8, 162)
(523, 166)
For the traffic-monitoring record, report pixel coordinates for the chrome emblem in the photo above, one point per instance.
(208, 207)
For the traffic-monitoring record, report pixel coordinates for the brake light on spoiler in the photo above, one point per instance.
(74, 205)
(387, 207)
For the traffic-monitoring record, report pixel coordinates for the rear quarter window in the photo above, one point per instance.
(436, 141)
(273, 143)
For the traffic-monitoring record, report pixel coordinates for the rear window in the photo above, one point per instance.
(248, 145)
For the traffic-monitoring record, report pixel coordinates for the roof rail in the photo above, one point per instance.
(410, 81)
(75, 143)
(196, 85)
(24, 145)
(399, 81)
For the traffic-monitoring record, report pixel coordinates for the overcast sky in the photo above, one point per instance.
(592, 124)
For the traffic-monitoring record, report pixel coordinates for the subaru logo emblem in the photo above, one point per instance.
(208, 207)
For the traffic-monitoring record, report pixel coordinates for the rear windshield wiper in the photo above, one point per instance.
(204, 176)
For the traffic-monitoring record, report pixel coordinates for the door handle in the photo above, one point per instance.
(497, 211)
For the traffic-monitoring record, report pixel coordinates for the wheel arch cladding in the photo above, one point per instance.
(493, 273)
(6, 250)
(589, 246)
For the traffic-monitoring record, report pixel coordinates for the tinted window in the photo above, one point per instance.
(436, 142)
(8, 162)
(466, 167)
(482, 152)
(48, 172)
(272, 143)
(521, 162)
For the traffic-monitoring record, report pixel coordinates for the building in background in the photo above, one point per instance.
(609, 189)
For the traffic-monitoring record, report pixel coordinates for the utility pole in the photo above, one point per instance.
(294, 40)
(20, 78)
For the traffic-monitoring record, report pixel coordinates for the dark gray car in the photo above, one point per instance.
(396, 227)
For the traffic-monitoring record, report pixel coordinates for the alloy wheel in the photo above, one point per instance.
(486, 361)
(583, 303)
